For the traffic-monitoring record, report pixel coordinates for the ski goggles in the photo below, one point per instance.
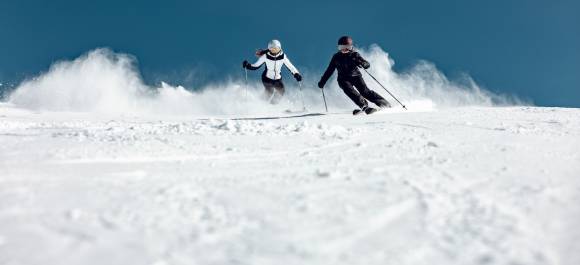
(275, 50)
(347, 47)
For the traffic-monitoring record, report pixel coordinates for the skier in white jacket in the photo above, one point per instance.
(274, 58)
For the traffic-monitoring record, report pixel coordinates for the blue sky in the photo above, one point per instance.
(528, 47)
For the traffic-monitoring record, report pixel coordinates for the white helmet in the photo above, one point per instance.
(274, 44)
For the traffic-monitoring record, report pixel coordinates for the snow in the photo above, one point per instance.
(467, 185)
(99, 167)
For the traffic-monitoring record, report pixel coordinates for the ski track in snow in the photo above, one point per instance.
(457, 186)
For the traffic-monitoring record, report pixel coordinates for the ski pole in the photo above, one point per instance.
(246, 71)
(384, 88)
(324, 98)
(301, 95)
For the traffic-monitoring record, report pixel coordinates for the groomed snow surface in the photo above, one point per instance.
(451, 186)
(97, 167)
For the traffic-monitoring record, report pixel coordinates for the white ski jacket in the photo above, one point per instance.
(274, 65)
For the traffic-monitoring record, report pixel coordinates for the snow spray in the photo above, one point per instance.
(102, 81)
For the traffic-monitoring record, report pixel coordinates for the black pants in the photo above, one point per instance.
(361, 93)
(274, 89)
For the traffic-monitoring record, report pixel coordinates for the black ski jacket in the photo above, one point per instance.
(346, 64)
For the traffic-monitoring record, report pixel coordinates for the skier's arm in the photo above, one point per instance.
(292, 69)
(329, 71)
(258, 63)
(290, 65)
(361, 61)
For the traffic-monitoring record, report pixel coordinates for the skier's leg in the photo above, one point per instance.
(354, 95)
(268, 88)
(367, 93)
(279, 88)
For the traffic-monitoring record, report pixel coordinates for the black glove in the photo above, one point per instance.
(298, 77)
(245, 64)
(320, 85)
(365, 65)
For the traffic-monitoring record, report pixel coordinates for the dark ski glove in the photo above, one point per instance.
(298, 77)
(365, 65)
(245, 64)
(320, 85)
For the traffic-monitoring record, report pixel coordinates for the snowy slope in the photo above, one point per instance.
(453, 186)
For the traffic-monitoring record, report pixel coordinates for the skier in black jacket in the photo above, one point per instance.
(346, 61)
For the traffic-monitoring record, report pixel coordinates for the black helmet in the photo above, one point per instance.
(344, 40)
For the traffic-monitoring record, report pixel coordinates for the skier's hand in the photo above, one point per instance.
(298, 77)
(245, 64)
(320, 85)
(365, 65)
